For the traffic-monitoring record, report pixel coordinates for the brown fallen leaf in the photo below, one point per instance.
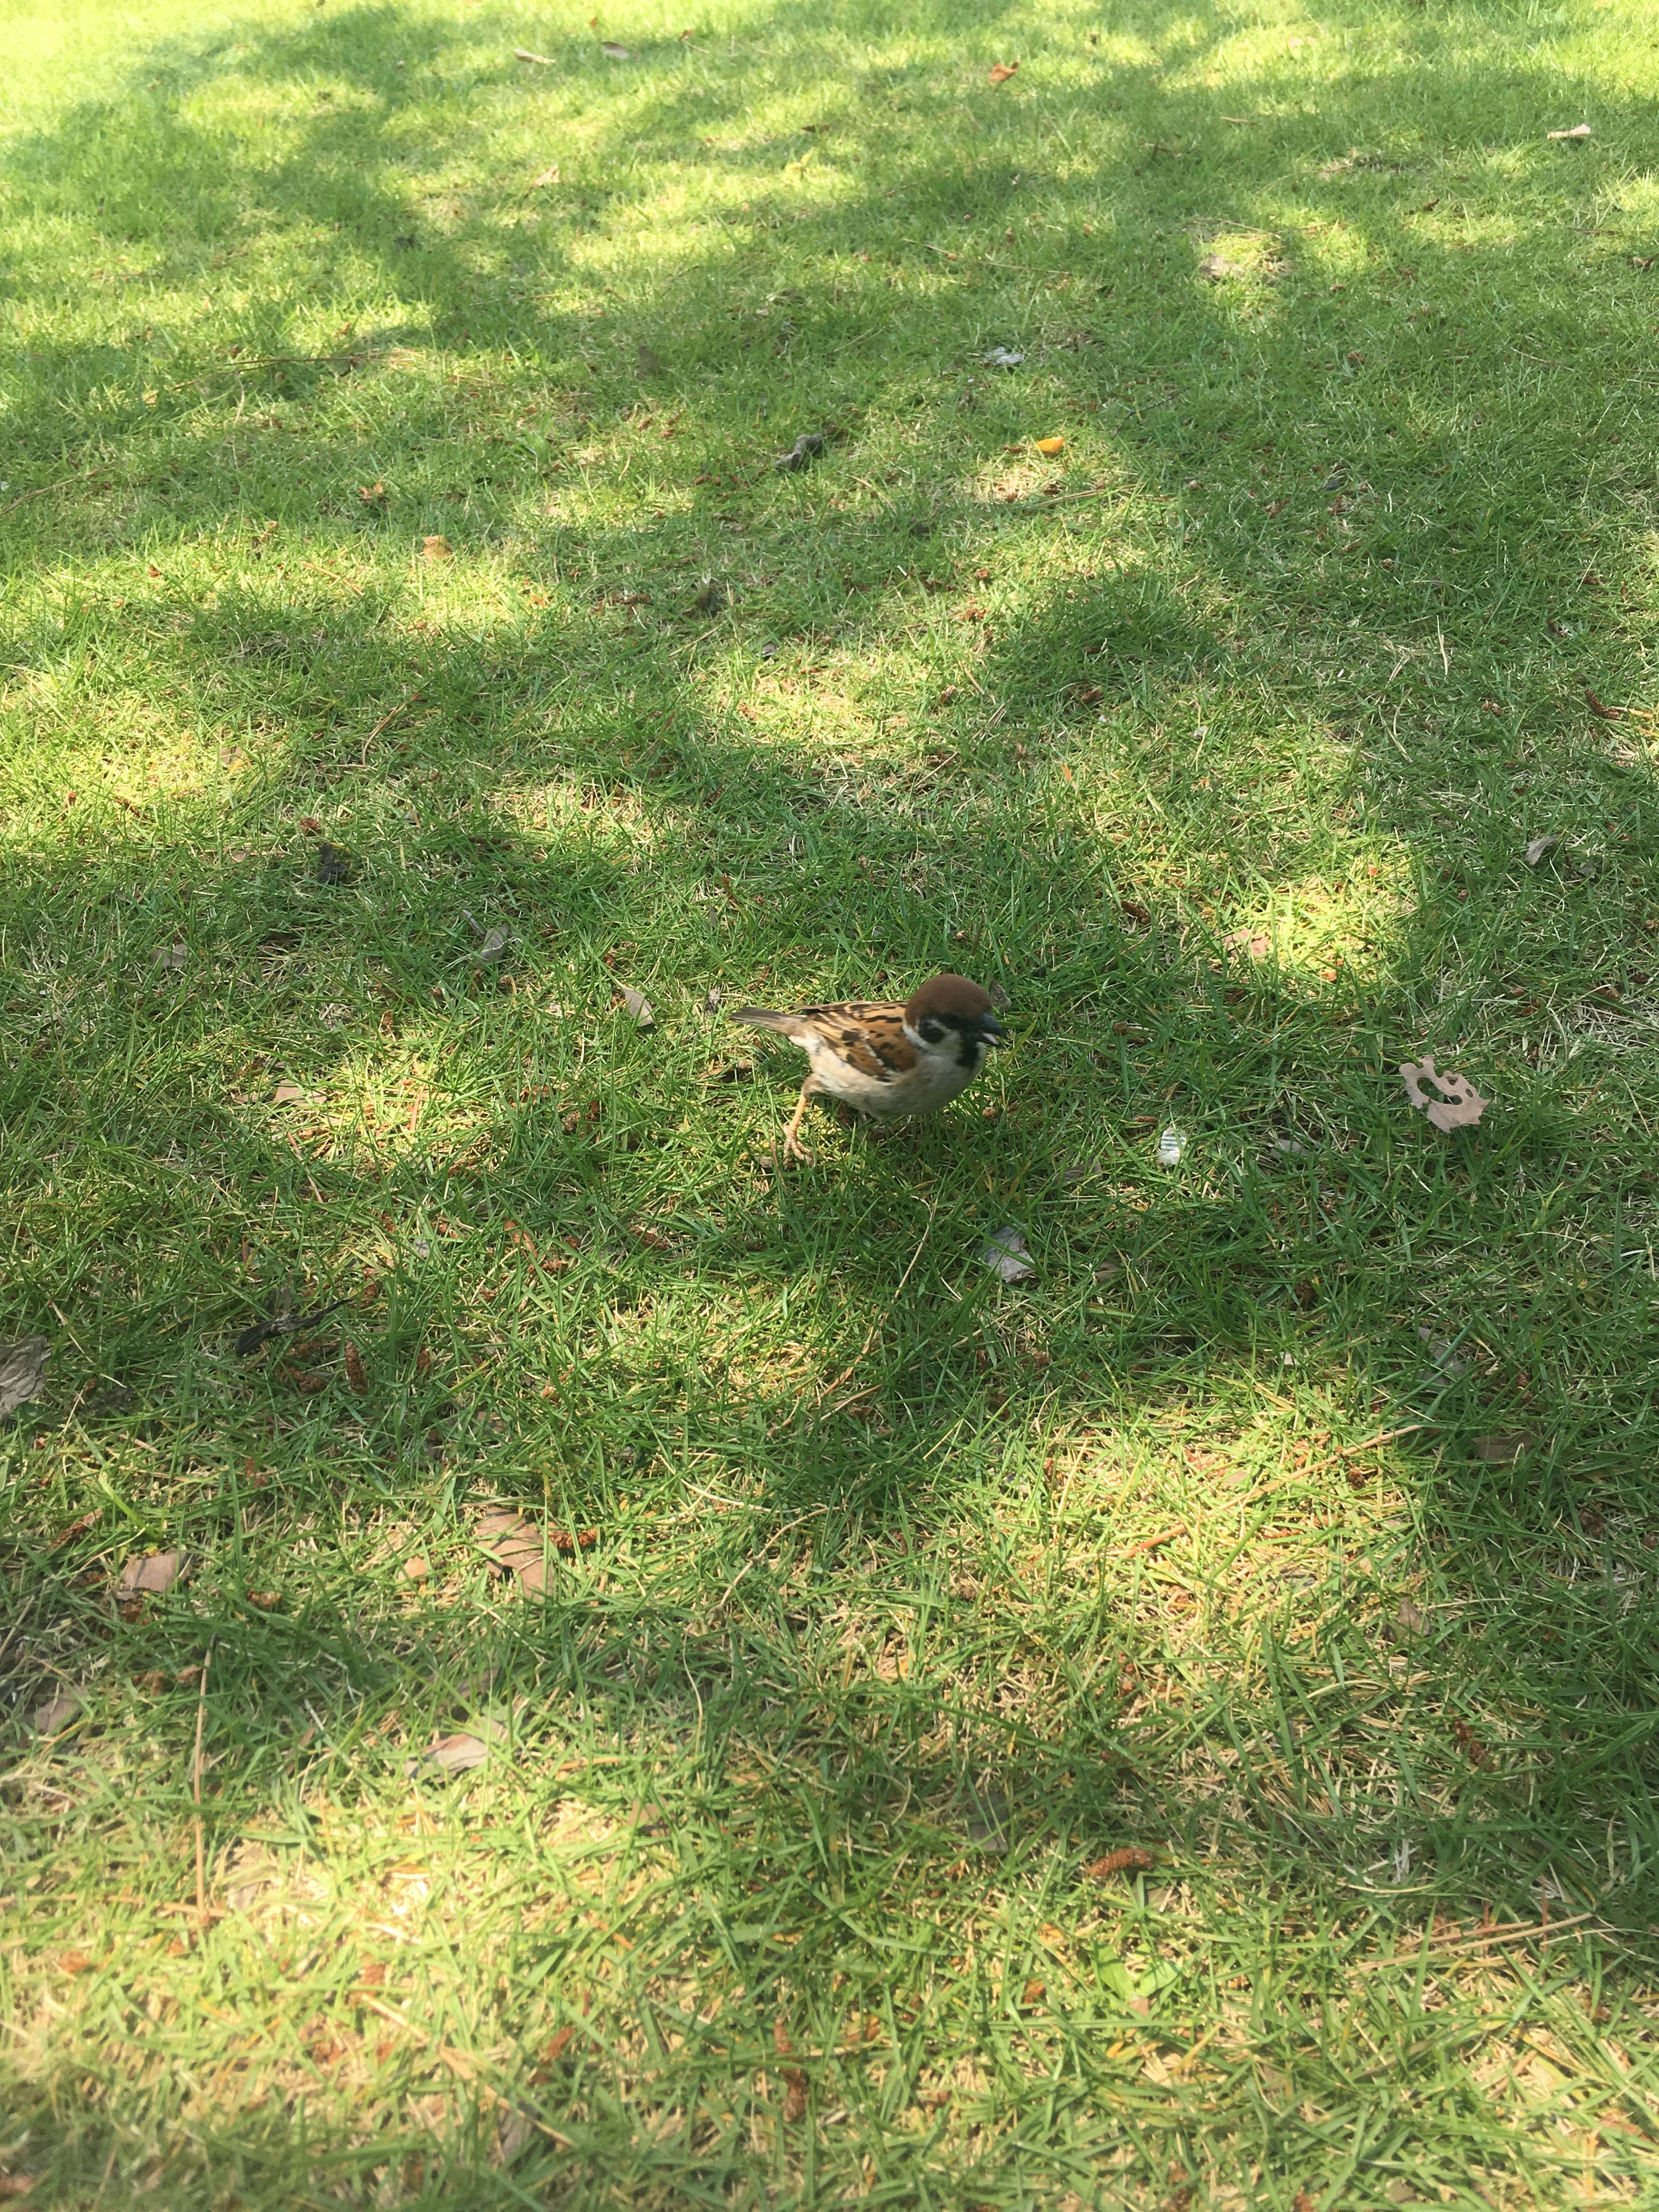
(78, 1527)
(417, 1571)
(73, 1962)
(515, 1545)
(22, 1372)
(57, 1712)
(16, 2184)
(355, 1373)
(1132, 910)
(1034, 1993)
(1051, 445)
(549, 176)
(1599, 708)
(307, 1384)
(1001, 71)
(153, 1679)
(1251, 941)
(1131, 1858)
(435, 547)
(267, 1601)
(310, 825)
(794, 2103)
(1411, 1617)
(1459, 1106)
(156, 1572)
(461, 1752)
(1471, 1744)
(288, 1094)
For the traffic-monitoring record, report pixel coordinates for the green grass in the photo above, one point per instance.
(913, 1594)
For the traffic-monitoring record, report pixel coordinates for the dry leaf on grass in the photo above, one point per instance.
(1005, 1254)
(513, 2132)
(524, 54)
(459, 1753)
(1539, 847)
(1460, 1105)
(640, 1007)
(22, 1372)
(57, 1712)
(354, 1373)
(16, 2184)
(1411, 1617)
(1051, 445)
(1251, 941)
(1001, 71)
(171, 957)
(612, 51)
(549, 176)
(495, 945)
(1504, 1446)
(1601, 709)
(809, 443)
(156, 1572)
(1131, 1858)
(73, 1962)
(515, 1545)
(289, 1094)
(435, 547)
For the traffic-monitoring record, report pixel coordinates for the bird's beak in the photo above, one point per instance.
(992, 1030)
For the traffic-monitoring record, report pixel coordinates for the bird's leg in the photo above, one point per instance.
(793, 1147)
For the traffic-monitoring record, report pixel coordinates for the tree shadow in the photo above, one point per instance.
(662, 824)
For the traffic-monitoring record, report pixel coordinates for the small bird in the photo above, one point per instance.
(888, 1060)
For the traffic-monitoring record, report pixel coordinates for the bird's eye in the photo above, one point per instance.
(932, 1031)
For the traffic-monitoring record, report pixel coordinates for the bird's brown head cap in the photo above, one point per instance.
(956, 1001)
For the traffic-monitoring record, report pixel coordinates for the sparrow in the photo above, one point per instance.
(888, 1060)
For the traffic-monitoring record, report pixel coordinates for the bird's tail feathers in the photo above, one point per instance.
(757, 1018)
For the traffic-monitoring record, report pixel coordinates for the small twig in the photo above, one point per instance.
(1347, 1451)
(1152, 1543)
(401, 708)
(524, 54)
(196, 1789)
(1516, 1931)
(39, 492)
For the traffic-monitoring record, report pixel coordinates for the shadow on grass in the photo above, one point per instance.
(677, 842)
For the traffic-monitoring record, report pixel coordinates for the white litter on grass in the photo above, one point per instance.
(1170, 1146)
(1005, 1254)
(1002, 357)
